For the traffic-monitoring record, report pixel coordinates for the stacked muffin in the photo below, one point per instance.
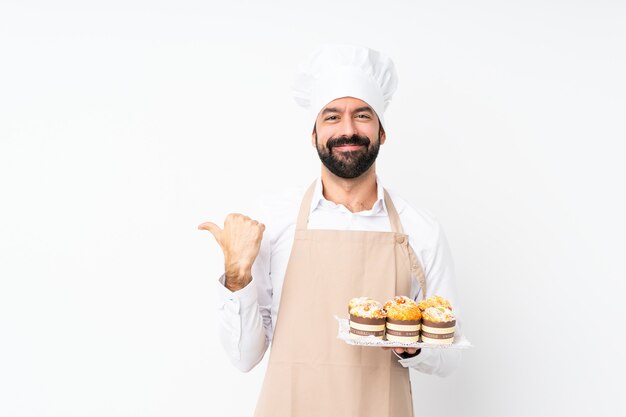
(367, 318)
(438, 321)
(403, 319)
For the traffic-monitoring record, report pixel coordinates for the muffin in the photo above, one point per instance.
(367, 318)
(438, 324)
(434, 301)
(360, 300)
(403, 319)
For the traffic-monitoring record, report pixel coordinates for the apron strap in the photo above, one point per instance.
(417, 271)
(305, 207)
(394, 217)
(396, 226)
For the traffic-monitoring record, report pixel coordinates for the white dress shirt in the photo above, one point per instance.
(247, 316)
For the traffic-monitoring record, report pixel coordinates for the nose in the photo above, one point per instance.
(347, 127)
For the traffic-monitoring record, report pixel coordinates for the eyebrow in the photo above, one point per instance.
(357, 110)
(364, 108)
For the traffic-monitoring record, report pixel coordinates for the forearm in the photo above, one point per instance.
(440, 362)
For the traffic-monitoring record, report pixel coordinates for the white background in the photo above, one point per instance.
(125, 124)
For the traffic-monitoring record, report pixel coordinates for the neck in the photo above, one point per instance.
(356, 194)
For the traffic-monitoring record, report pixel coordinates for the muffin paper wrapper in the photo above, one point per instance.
(460, 341)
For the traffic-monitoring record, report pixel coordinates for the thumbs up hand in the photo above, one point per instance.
(240, 240)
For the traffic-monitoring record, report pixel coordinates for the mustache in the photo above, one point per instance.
(352, 140)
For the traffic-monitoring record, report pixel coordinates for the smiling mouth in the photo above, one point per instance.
(348, 148)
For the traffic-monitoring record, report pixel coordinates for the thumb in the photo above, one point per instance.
(213, 228)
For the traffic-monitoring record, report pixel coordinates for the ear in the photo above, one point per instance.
(313, 136)
(382, 135)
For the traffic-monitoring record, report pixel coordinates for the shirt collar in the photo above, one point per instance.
(318, 201)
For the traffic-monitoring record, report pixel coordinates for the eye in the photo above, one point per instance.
(331, 118)
(363, 116)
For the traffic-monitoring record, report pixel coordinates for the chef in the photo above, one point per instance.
(293, 267)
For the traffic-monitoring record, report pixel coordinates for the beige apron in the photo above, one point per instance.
(311, 373)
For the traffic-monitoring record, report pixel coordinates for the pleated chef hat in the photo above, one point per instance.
(336, 71)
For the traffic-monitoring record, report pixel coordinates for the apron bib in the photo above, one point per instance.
(311, 373)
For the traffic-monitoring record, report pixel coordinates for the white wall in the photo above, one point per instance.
(125, 124)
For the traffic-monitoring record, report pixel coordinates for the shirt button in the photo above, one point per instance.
(400, 239)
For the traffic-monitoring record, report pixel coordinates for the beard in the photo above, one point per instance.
(349, 164)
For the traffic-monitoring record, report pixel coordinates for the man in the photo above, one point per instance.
(346, 236)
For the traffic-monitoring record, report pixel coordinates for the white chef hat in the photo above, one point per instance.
(335, 71)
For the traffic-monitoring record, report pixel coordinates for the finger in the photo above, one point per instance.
(236, 216)
(211, 227)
